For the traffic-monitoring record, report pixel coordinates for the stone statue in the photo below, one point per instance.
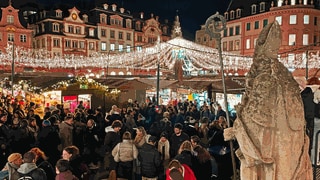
(270, 125)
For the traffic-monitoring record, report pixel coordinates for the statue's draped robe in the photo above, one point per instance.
(270, 125)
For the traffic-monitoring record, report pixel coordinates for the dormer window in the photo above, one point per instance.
(226, 15)
(262, 6)
(128, 23)
(85, 18)
(103, 18)
(254, 9)
(231, 14)
(59, 13)
(238, 13)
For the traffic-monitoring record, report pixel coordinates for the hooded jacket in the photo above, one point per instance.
(32, 170)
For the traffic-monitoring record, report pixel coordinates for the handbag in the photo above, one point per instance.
(117, 156)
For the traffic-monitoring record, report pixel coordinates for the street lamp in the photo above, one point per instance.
(158, 69)
(219, 25)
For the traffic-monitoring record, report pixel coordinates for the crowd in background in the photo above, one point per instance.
(181, 140)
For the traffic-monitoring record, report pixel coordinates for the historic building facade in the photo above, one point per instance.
(299, 22)
(12, 31)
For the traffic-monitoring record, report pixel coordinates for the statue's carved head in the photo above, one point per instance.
(269, 41)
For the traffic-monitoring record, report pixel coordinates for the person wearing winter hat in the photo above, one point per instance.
(10, 169)
(46, 123)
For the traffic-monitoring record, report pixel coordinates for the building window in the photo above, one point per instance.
(237, 30)
(91, 45)
(224, 46)
(128, 24)
(248, 26)
(11, 37)
(74, 44)
(70, 29)
(279, 19)
(23, 38)
(58, 14)
(55, 27)
(237, 45)
(226, 16)
(315, 40)
(128, 48)
(256, 25)
(230, 45)
(139, 39)
(139, 48)
(306, 19)
(103, 46)
(68, 43)
(103, 33)
(120, 35)
(225, 33)
(43, 42)
(293, 19)
(78, 30)
(138, 27)
(91, 32)
(231, 31)
(248, 44)
(112, 47)
(204, 39)
(262, 6)
(120, 47)
(231, 14)
(56, 42)
(112, 33)
(129, 36)
(255, 42)
(238, 13)
(254, 9)
(315, 21)
(305, 39)
(10, 19)
(292, 39)
(291, 58)
(265, 22)
(81, 44)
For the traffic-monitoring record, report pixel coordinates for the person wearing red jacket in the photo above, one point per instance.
(178, 171)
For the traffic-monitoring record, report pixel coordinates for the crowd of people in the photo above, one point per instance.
(137, 141)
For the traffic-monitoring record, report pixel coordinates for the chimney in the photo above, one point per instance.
(114, 7)
(141, 15)
(105, 6)
(122, 10)
(157, 18)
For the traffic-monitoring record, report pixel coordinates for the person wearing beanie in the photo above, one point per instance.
(46, 123)
(10, 169)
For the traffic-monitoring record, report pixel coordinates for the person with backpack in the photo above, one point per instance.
(10, 169)
(29, 170)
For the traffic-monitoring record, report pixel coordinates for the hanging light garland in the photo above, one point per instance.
(201, 57)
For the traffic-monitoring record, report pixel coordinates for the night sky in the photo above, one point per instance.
(192, 13)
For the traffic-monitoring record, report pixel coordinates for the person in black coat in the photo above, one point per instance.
(49, 133)
(112, 138)
(176, 139)
(150, 159)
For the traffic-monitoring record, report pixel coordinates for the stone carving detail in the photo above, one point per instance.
(270, 125)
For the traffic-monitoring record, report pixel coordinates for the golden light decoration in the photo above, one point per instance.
(202, 58)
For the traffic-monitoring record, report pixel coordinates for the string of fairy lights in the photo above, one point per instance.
(201, 58)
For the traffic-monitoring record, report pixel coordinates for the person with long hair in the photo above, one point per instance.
(78, 167)
(202, 167)
(179, 171)
(141, 136)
